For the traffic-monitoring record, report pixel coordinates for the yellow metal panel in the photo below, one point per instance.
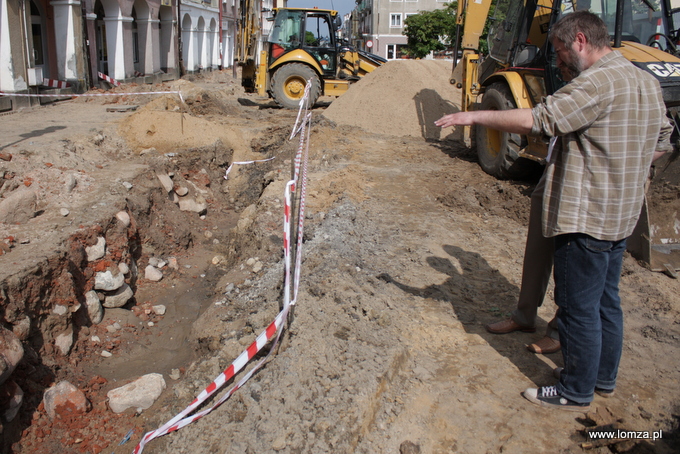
(297, 56)
(335, 87)
(261, 77)
(539, 26)
(637, 52)
(476, 12)
(517, 87)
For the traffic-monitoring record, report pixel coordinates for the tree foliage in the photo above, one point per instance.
(430, 31)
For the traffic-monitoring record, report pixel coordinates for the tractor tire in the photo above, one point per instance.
(288, 85)
(498, 152)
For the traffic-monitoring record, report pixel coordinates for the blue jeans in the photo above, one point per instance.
(590, 319)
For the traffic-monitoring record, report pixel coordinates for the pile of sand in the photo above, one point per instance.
(401, 98)
(169, 124)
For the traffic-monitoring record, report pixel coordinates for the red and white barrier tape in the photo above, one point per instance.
(110, 80)
(226, 174)
(55, 83)
(182, 420)
(76, 95)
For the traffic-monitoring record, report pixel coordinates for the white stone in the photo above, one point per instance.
(127, 185)
(154, 261)
(19, 206)
(11, 353)
(153, 274)
(182, 191)
(198, 205)
(123, 268)
(64, 212)
(106, 354)
(106, 280)
(97, 251)
(95, 339)
(22, 329)
(173, 263)
(123, 217)
(70, 183)
(119, 298)
(14, 404)
(64, 399)
(141, 393)
(60, 309)
(159, 309)
(165, 180)
(64, 342)
(94, 307)
(257, 267)
(174, 374)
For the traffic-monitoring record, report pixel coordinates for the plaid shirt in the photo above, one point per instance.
(611, 119)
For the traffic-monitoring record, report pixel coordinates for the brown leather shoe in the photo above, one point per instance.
(545, 346)
(508, 326)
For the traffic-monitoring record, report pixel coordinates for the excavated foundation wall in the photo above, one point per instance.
(51, 305)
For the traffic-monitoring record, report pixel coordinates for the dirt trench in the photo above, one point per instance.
(410, 249)
(43, 291)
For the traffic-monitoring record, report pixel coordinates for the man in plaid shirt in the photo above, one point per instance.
(611, 123)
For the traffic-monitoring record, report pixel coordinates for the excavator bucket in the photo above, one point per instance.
(656, 239)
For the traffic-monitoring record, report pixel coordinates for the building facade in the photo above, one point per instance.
(380, 23)
(200, 34)
(40, 39)
(48, 45)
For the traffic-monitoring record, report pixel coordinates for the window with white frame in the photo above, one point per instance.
(396, 51)
(395, 20)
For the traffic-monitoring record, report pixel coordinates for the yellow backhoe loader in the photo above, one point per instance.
(303, 44)
(519, 70)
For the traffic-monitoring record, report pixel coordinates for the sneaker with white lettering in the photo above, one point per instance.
(548, 396)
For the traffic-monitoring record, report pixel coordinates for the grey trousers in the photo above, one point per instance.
(537, 267)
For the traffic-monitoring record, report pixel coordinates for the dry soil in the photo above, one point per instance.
(410, 249)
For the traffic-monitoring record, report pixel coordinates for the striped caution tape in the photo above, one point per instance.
(226, 174)
(110, 80)
(185, 418)
(55, 83)
(182, 420)
(77, 95)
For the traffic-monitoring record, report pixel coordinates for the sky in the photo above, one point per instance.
(341, 6)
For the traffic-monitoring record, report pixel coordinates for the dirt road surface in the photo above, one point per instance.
(410, 249)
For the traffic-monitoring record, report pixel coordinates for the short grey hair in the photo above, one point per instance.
(591, 25)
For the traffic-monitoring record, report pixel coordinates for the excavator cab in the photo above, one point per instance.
(520, 69)
(313, 32)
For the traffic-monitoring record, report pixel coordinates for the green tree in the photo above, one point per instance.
(430, 31)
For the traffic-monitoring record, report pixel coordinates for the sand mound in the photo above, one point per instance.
(169, 125)
(401, 98)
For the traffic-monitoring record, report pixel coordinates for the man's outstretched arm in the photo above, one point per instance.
(517, 121)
